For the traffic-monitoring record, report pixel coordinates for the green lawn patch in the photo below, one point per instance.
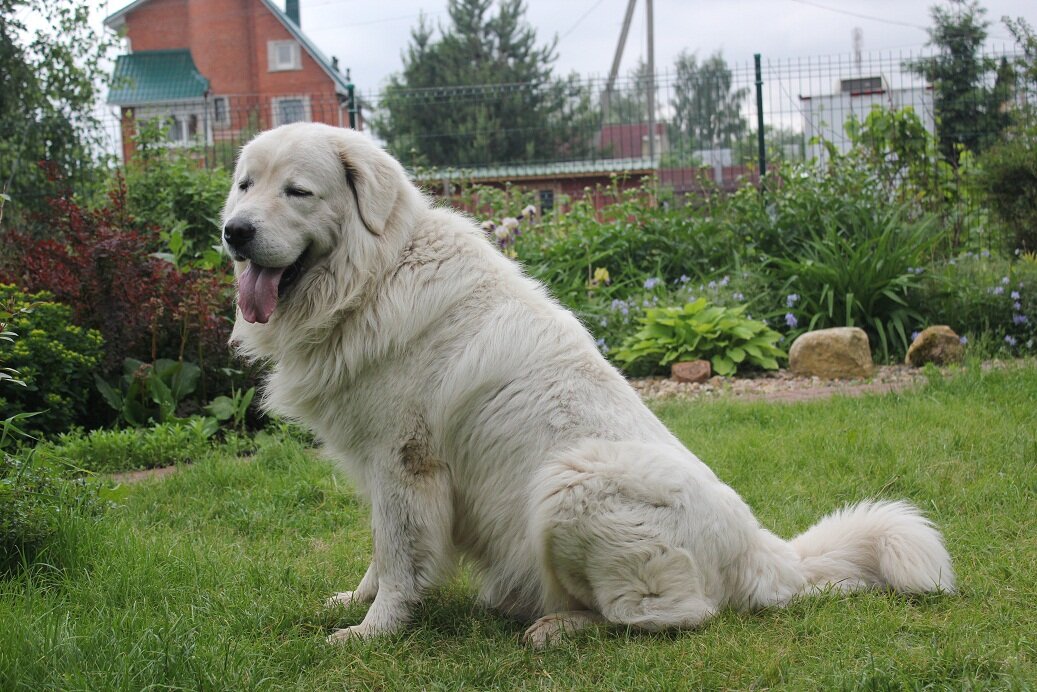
(214, 577)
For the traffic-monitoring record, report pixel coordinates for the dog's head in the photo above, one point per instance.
(309, 205)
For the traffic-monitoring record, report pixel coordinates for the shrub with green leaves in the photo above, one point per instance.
(981, 294)
(150, 392)
(698, 330)
(1007, 178)
(108, 451)
(172, 191)
(54, 358)
(862, 275)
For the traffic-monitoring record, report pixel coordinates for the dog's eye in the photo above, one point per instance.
(293, 191)
(245, 184)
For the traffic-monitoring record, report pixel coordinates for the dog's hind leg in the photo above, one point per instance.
(548, 629)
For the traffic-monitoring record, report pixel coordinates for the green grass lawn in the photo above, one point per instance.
(214, 577)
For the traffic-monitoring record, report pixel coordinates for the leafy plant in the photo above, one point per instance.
(109, 451)
(54, 359)
(232, 408)
(863, 275)
(699, 330)
(150, 392)
(980, 294)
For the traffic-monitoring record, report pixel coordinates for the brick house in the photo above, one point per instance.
(216, 71)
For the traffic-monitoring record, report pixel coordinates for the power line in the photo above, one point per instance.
(859, 15)
(580, 20)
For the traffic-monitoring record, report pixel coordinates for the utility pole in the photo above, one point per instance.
(618, 57)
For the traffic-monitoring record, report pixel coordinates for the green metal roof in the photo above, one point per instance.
(156, 76)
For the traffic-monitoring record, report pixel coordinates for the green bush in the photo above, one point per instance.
(862, 275)
(172, 190)
(980, 294)
(110, 451)
(633, 240)
(1007, 178)
(55, 360)
(702, 331)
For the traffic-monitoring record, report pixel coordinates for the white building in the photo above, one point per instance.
(825, 117)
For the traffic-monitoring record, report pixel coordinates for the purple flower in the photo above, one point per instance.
(1014, 295)
(684, 279)
(1010, 340)
(1019, 319)
(738, 297)
(620, 306)
(1017, 305)
(963, 340)
(914, 335)
(725, 281)
(713, 285)
(602, 346)
(997, 290)
(791, 299)
(791, 320)
(650, 283)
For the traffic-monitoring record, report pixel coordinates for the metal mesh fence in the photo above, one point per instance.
(688, 128)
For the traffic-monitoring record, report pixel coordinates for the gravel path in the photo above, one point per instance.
(781, 385)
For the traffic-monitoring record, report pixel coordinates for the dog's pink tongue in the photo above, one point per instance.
(257, 292)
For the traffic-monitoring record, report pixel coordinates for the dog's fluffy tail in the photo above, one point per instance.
(875, 545)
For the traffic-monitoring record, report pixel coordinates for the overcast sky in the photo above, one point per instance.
(369, 36)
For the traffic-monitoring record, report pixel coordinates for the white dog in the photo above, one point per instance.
(479, 419)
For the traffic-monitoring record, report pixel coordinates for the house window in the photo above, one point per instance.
(283, 55)
(291, 109)
(182, 128)
(220, 111)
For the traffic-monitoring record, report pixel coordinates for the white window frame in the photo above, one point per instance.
(275, 109)
(275, 56)
(177, 119)
(216, 119)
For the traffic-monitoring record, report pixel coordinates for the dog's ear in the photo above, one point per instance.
(374, 177)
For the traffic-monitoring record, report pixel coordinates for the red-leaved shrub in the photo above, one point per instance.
(99, 262)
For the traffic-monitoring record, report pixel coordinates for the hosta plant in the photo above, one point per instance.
(698, 330)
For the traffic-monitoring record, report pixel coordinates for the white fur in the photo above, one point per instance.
(479, 419)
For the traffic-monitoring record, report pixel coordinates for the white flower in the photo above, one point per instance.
(529, 212)
(488, 226)
(509, 222)
(502, 232)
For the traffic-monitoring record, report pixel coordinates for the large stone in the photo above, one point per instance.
(691, 371)
(833, 354)
(938, 345)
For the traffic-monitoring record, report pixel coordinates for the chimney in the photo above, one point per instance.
(291, 8)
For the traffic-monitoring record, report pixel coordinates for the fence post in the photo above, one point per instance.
(760, 143)
(350, 100)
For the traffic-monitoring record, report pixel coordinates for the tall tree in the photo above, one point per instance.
(969, 110)
(482, 92)
(49, 84)
(707, 111)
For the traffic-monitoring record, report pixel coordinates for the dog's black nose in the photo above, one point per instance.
(238, 232)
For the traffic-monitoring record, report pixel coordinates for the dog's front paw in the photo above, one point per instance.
(341, 636)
